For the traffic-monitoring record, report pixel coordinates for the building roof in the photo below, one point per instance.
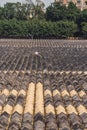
(43, 101)
(36, 97)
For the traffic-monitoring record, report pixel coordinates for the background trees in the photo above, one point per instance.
(23, 11)
(36, 29)
(29, 19)
(84, 29)
(57, 11)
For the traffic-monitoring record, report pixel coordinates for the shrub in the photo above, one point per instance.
(37, 29)
(84, 29)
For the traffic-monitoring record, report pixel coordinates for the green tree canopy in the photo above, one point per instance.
(56, 12)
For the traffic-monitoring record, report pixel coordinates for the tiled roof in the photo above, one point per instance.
(34, 97)
(53, 101)
(51, 55)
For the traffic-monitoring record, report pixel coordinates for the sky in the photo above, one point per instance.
(47, 2)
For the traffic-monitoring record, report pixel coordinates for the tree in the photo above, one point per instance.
(35, 10)
(29, 9)
(56, 12)
(23, 11)
(14, 10)
(38, 9)
(84, 29)
(73, 12)
(83, 16)
(9, 10)
(1, 13)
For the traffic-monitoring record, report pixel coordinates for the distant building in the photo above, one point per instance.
(81, 4)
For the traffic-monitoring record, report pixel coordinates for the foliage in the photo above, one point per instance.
(84, 29)
(73, 12)
(29, 19)
(83, 16)
(22, 11)
(57, 11)
(36, 28)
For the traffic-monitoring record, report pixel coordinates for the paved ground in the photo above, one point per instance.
(43, 85)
